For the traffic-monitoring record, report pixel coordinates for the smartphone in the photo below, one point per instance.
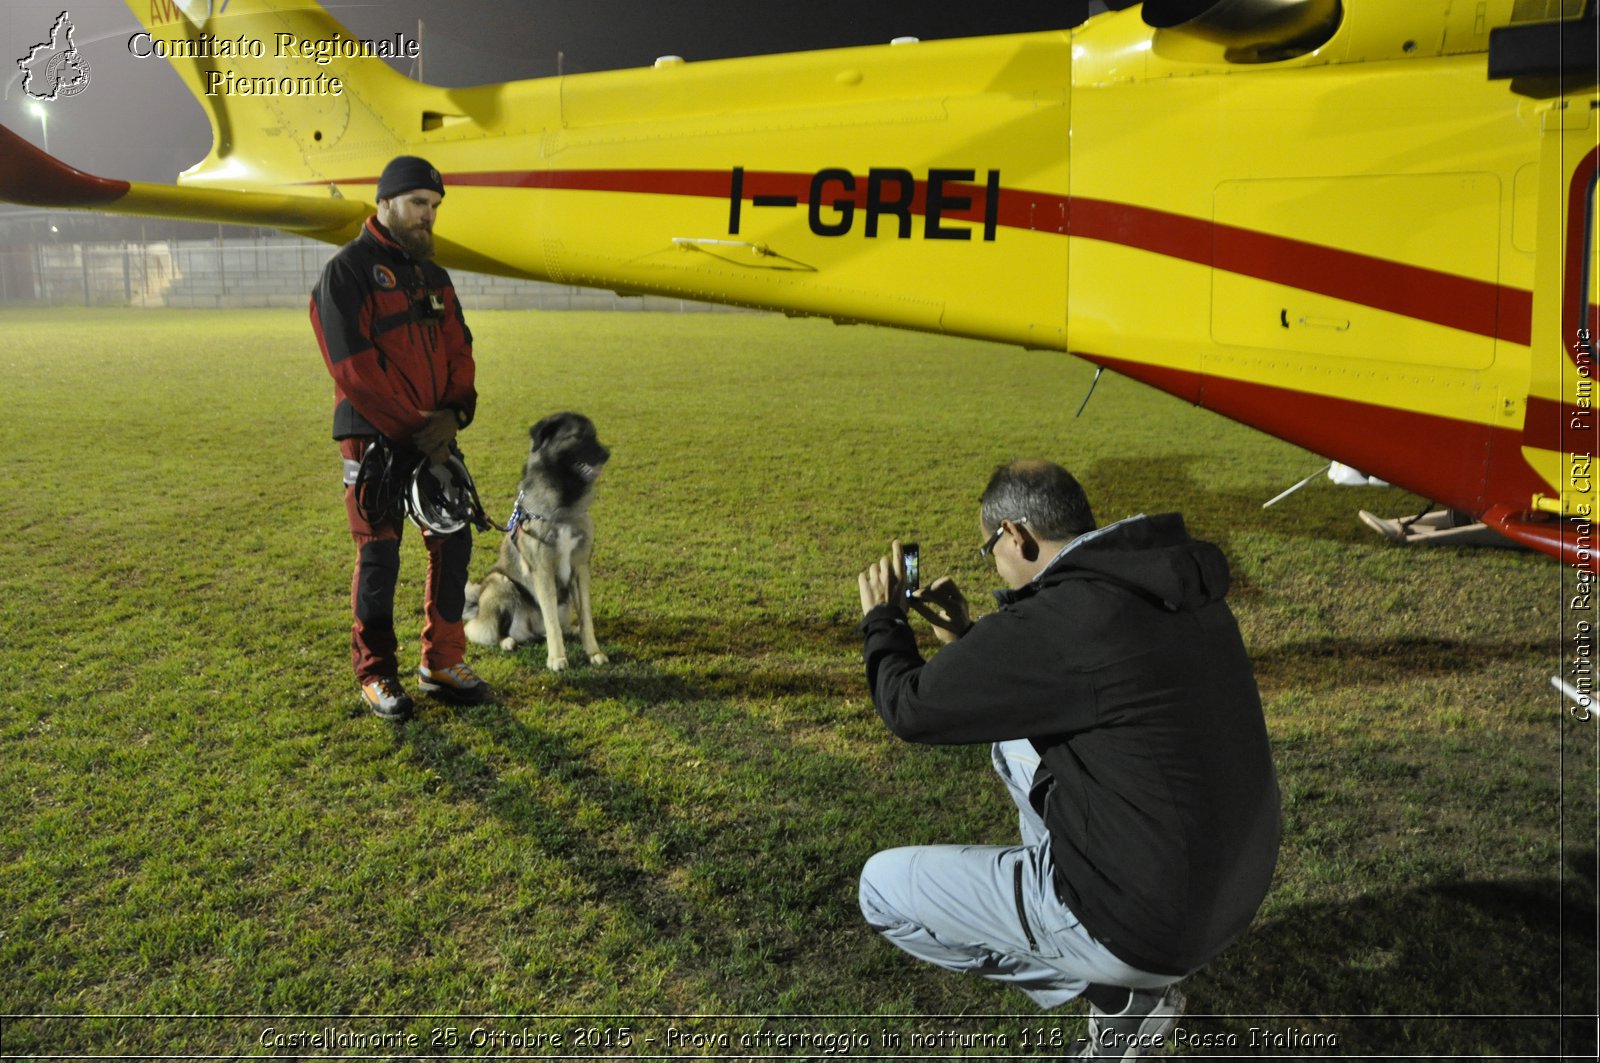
(912, 555)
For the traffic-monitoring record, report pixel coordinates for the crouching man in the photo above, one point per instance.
(1123, 717)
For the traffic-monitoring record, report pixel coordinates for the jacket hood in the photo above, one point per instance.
(1152, 556)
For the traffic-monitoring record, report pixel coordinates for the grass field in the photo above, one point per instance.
(207, 847)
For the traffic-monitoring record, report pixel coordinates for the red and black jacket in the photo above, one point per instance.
(393, 337)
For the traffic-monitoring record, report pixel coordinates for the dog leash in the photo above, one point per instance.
(520, 515)
(514, 524)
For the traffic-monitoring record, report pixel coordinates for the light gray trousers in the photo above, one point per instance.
(992, 909)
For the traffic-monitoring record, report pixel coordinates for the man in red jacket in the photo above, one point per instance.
(1121, 709)
(400, 354)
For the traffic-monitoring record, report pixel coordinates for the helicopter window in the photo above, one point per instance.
(1589, 285)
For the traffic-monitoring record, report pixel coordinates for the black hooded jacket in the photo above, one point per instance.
(1125, 667)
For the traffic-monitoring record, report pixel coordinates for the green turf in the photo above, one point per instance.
(200, 828)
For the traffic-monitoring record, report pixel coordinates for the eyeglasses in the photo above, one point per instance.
(988, 547)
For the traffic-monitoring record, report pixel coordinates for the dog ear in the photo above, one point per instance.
(541, 432)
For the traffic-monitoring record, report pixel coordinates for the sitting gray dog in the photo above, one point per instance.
(543, 568)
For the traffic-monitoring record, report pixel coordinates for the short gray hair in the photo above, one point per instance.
(1040, 492)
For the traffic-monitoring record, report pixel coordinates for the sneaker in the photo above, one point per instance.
(386, 698)
(1142, 1028)
(456, 684)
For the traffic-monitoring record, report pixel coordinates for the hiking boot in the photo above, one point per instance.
(386, 698)
(457, 685)
(1142, 1028)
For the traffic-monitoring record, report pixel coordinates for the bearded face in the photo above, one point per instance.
(409, 218)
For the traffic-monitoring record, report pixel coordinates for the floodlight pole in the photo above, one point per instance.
(44, 123)
(39, 112)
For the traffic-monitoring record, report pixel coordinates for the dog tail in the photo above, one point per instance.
(481, 629)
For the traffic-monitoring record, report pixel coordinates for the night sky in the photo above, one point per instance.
(136, 121)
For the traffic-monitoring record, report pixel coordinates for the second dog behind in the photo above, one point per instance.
(542, 575)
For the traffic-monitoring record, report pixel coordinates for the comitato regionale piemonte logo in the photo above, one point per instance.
(55, 68)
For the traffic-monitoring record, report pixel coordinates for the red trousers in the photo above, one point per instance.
(372, 638)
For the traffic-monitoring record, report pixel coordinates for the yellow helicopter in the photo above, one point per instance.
(1363, 226)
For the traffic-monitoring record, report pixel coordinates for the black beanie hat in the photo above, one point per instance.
(406, 172)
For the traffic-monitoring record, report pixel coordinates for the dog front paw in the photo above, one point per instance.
(598, 658)
(508, 644)
(556, 664)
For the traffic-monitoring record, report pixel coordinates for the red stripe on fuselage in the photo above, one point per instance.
(714, 184)
(1431, 295)
(1479, 307)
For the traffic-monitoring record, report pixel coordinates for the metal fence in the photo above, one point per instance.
(247, 273)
